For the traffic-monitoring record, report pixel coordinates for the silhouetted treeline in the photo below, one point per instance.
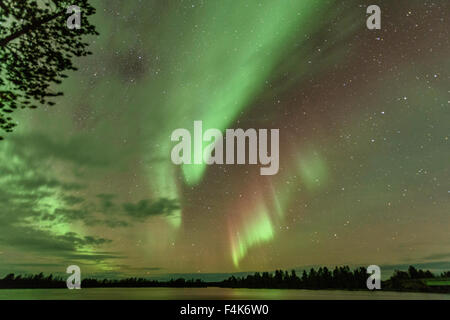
(322, 278)
(32, 281)
(338, 278)
(417, 280)
(41, 281)
(413, 273)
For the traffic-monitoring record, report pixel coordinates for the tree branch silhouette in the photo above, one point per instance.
(36, 49)
(28, 28)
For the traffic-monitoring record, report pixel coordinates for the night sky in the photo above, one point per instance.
(364, 142)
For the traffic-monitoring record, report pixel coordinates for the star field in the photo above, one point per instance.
(364, 142)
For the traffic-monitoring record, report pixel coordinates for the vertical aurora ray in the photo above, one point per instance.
(256, 231)
(262, 217)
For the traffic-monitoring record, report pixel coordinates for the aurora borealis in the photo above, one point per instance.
(364, 142)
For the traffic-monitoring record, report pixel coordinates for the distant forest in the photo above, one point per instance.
(339, 278)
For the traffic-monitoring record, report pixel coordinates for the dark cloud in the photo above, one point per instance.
(86, 216)
(68, 215)
(87, 240)
(39, 181)
(106, 201)
(111, 223)
(32, 196)
(70, 246)
(41, 241)
(34, 265)
(72, 200)
(438, 256)
(148, 208)
(106, 196)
